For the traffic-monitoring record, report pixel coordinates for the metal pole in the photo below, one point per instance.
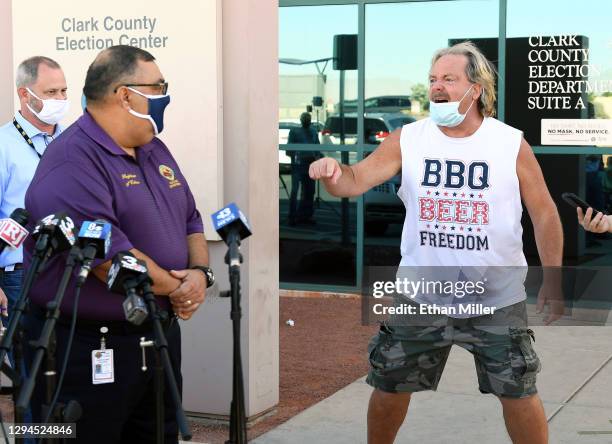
(344, 158)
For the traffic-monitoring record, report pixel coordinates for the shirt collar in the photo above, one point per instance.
(31, 130)
(87, 123)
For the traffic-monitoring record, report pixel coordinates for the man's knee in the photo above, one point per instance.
(523, 402)
(389, 399)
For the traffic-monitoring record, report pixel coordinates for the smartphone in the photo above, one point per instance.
(576, 202)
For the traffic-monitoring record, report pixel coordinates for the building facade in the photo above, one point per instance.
(555, 85)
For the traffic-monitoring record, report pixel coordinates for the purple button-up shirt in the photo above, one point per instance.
(146, 199)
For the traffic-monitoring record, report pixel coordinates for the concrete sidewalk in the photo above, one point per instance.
(458, 413)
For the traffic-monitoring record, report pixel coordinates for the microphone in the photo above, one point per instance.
(230, 221)
(12, 231)
(127, 274)
(95, 241)
(53, 234)
(233, 226)
(124, 276)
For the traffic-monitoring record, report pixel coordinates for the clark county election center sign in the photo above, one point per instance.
(186, 43)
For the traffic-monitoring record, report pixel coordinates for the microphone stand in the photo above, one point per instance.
(233, 258)
(46, 344)
(163, 363)
(14, 332)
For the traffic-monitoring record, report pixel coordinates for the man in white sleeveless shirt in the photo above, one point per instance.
(464, 174)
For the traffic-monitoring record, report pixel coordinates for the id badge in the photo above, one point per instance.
(102, 366)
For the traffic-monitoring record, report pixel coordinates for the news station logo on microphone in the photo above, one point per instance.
(230, 219)
(123, 278)
(94, 241)
(124, 266)
(97, 233)
(52, 223)
(12, 232)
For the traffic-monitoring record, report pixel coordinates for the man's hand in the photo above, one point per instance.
(551, 294)
(598, 224)
(3, 303)
(325, 168)
(190, 294)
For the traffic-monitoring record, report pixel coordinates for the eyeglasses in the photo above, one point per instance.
(163, 86)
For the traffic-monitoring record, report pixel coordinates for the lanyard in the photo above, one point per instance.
(25, 137)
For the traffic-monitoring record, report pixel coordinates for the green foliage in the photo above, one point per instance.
(420, 93)
(599, 111)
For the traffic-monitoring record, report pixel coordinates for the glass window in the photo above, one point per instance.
(401, 38)
(317, 230)
(307, 74)
(559, 93)
(559, 67)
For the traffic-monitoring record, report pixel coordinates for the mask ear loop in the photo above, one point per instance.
(32, 93)
(36, 97)
(469, 107)
(143, 116)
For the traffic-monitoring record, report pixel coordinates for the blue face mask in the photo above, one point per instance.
(157, 105)
(447, 114)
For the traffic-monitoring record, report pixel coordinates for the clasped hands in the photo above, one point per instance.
(190, 294)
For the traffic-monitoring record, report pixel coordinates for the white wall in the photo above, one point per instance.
(186, 47)
(6, 62)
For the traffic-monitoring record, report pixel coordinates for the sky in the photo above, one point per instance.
(401, 37)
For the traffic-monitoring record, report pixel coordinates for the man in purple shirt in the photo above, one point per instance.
(109, 165)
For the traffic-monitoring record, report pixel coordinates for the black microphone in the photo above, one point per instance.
(95, 241)
(232, 226)
(12, 231)
(53, 234)
(125, 274)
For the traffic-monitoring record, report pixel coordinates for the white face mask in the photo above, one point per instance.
(447, 114)
(53, 110)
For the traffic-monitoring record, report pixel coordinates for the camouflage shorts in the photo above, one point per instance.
(411, 358)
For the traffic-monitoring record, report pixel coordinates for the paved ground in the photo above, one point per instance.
(458, 413)
(312, 365)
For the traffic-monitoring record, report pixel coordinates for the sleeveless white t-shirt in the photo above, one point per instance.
(463, 207)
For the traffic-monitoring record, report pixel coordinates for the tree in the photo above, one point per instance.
(420, 93)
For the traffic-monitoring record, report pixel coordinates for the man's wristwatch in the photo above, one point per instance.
(210, 276)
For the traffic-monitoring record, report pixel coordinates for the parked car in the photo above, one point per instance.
(377, 127)
(378, 104)
(382, 207)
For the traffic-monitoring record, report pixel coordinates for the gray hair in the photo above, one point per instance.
(478, 70)
(27, 71)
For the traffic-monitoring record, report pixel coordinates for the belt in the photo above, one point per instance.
(15, 267)
(119, 328)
